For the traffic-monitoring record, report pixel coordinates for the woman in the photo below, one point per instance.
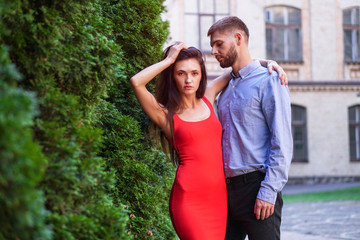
(183, 110)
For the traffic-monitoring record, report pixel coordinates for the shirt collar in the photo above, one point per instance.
(246, 70)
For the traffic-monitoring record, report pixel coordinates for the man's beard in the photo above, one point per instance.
(229, 58)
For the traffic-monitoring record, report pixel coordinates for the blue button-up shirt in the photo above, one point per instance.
(255, 114)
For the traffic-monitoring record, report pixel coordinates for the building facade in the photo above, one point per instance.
(318, 45)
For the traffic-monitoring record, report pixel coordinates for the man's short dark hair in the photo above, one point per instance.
(229, 23)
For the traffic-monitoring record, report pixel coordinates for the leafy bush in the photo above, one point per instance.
(143, 176)
(22, 164)
(77, 56)
(141, 33)
(63, 59)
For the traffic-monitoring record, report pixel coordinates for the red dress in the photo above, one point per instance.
(198, 201)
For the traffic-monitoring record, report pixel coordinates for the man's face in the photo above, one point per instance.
(223, 48)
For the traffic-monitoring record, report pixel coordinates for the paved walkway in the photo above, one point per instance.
(336, 220)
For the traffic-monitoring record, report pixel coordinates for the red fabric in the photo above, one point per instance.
(198, 202)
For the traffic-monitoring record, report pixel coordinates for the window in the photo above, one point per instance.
(354, 132)
(351, 24)
(283, 34)
(199, 16)
(298, 124)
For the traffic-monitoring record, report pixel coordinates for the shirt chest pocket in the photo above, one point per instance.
(242, 111)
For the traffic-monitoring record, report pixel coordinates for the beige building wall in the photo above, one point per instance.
(322, 82)
(327, 125)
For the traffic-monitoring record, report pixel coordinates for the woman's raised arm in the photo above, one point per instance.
(147, 100)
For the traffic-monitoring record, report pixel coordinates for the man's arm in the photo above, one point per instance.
(276, 107)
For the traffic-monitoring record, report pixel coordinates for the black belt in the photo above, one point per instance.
(247, 177)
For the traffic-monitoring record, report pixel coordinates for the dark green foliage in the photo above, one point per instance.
(65, 60)
(141, 32)
(22, 212)
(143, 176)
(77, 56)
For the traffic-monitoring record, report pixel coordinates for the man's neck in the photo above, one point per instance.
(242, 61)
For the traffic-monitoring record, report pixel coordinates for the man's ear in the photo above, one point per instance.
(238, 38)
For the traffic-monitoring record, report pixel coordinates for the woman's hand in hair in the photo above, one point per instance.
(174, 51)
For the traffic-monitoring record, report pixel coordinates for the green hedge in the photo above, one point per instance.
(22, 164)
(95, 173)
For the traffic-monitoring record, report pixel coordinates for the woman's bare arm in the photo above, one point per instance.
(147, 100)
(214, 87)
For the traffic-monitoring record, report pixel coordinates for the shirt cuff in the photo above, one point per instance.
(267, 195)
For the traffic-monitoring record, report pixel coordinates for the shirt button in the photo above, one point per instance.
(227, 124)
(227, 105)
(233, 86)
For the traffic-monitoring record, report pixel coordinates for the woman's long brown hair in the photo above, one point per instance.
(168, 95)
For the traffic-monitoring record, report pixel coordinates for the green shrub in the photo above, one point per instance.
(77, 56)
(143, 176)
(63, 58)
(141, 32)
(22, 164)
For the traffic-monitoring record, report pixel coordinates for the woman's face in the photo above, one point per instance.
(187, 75)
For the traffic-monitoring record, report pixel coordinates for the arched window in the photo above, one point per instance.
(299, 131)
(354, 132)
(283, 34)
(199, 16)
(351, 25)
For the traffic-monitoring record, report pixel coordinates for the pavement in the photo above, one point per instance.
(333, 220)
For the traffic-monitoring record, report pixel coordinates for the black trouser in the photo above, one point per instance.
(242, 193)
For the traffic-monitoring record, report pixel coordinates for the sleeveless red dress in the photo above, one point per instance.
(198, 201)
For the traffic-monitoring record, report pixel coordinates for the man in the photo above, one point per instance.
(255, 114)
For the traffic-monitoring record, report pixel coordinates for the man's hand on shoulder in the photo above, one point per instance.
(263, 209)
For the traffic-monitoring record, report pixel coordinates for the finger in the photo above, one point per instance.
(270, 67)
(271, 211)
(264, 213)
(267, 213)
(257, 211)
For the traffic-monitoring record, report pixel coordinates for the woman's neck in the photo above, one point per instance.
(189, 102)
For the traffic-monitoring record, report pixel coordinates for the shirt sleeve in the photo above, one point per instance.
(276, 107)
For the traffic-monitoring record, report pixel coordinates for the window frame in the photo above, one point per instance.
(215, 16)
(356, 125)
(286, 26)
(304, 141)
(355, 35)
